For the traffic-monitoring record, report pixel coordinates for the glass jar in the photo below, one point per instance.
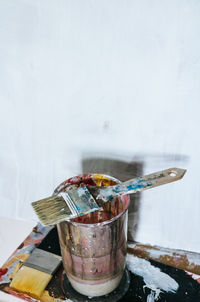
(93, 246)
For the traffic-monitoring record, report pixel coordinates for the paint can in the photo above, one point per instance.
(94, 246)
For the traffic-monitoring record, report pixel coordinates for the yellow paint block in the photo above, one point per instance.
(30, 281)
(33, 277)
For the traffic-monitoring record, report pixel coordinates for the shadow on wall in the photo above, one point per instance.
(131, 168)
(123, 171)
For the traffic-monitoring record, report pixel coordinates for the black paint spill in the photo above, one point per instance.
(51, 242)
(188, 291)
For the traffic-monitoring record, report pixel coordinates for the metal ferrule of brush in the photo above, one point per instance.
(69, 203)
(80, 201)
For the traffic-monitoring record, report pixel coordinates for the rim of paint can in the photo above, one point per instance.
(66, 184)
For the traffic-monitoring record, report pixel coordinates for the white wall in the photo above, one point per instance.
(113, 77)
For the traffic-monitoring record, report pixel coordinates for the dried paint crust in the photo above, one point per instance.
(53, 292)
(16, 260)
(185, 260)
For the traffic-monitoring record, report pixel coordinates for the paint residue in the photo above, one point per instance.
(107, 193)
(185, 260)
(151, 297)
(3, 271)
(154, 279)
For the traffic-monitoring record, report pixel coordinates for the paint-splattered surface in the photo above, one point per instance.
(188, 284)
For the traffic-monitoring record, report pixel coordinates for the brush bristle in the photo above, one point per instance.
(51, 210)
(30, 281)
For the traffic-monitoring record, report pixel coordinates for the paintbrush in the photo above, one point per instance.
(79, 201)
(35, 274)
(138, 184)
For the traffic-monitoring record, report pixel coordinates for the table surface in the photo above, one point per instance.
(13, 232)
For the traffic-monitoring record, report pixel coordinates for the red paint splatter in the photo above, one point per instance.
(84, 242)
(194, 276)
(83, 179)
(3, 271)
(79, 180)
(22, 296)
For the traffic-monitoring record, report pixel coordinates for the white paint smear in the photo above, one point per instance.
(151, 297)
(154, 279)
